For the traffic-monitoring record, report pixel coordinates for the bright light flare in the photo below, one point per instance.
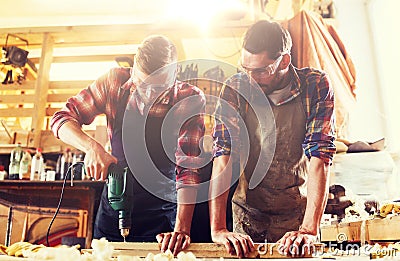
(203, 12)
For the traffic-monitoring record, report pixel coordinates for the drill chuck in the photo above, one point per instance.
(124, 232)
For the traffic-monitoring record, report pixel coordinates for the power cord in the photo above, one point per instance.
(61, 198)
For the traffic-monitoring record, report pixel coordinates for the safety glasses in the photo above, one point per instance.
(155, 82)
(263, 72)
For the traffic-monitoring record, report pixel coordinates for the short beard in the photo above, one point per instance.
(275, 84)
(266, 88)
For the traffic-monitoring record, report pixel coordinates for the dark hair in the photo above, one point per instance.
(155, 52)
(270, 37)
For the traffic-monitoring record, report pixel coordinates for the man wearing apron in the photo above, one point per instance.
(136, 102)
(288, 120)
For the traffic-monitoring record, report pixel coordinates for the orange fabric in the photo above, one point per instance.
(317, 44)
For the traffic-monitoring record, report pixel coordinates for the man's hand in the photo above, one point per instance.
(97, 161)
(296, 243)
(237, 244)
(174, 241)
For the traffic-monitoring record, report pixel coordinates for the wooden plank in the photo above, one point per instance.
(20, 98)
(376, 229)
(122, 33)
(50, 111)
(41, 87)
(85, 58)
(7, 130)
(16, 112)
(352, 231)
(7, 148)
(384, 229)
(200, 250)
(56, 85)
(31, 69)
(58, 97)
(346, 231)
(329, 233)
(26, 85)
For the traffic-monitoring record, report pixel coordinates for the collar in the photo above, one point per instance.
(129, 83)
(168, 96)
(290, 92)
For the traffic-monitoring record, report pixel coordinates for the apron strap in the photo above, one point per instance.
(116, 139)
(121, 107)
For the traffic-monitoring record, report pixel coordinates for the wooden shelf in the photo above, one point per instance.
(7, 148)
(38, 97)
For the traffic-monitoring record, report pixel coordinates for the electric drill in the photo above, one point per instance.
(120, 196)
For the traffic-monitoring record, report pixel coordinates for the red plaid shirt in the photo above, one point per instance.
(103, 95)
(318, 101)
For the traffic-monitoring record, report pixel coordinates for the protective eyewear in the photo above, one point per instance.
(156, 81)
(264, 72)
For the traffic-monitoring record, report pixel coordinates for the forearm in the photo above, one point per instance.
(317, 195)
(219, 190)
(72, 134)
(186, 204)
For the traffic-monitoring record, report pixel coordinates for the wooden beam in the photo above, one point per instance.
(26, 85)
(50, 111)
(85, 58)
(56, 85)
(209, 250)
(16, 112)
(41, 87)
(24, 112)
(58, 97)
(7, 129)
(123, 33)
(18, 98)
(31, 67)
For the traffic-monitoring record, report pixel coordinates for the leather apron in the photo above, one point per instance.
(150, 214)
(277, 204)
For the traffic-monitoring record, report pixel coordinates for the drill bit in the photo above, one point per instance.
(124, 233)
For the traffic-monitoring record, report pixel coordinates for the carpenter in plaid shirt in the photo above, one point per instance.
(144, 95)
(283, 117)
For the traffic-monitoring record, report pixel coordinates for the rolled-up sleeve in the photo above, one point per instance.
(78, 109)
(320, 129)
(226, 127)
(189, 153)
(91, 101)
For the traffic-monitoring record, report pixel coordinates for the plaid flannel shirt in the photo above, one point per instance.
(317, 98)
(103, 95)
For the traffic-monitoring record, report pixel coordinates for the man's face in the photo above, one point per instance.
(151, 86)
(263, 70)
(161, 77)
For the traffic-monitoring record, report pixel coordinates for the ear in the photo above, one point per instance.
(286, 60)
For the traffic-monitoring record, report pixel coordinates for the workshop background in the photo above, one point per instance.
(51, 50)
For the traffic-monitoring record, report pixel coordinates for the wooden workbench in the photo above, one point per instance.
(349, 258)
(213, 251)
